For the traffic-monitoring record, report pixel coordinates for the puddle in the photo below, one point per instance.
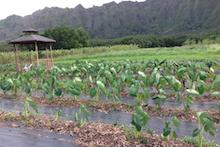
(123, 118)
(20, 137)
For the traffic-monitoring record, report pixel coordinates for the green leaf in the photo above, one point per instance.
(58, 92)
(167, 129)
(216, 94)
(192, 92)
(216, 83)
(133, 91)
(176, 121)
(93, 92)
(139, 118)
(196, 132)
(101, 85)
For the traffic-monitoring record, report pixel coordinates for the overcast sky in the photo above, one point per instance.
(26, 7)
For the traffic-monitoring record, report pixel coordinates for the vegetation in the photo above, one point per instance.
(67, 38)
(122, 52)
(114, 81)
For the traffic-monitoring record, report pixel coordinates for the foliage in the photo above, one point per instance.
(67, 38)
(82, 116)
(142, 41)
(167, 131)
(206, 124)
(29, 105)
(139, 118)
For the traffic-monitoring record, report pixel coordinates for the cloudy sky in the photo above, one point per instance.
(26, 7)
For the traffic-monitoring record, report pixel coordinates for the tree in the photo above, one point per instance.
(67, 37)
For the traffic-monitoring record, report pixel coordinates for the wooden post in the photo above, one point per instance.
(36, 49)
(30, 56)
(48, 64)
(18, 68)
(51, 55)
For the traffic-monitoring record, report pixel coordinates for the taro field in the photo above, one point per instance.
(121, 103)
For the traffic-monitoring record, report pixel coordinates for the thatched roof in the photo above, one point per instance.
(32, 39)
(31, 36)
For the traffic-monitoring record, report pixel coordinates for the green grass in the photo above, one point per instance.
(117, 53)
(123, 52)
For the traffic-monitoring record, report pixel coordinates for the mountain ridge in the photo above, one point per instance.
(111, 20)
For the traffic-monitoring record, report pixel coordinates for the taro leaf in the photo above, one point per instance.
(133, 91)
(216, 83)
(196, 132)
(32, 104)
(75, 91)
(123, 77)
(109, 76)
(146, 93)
(167, 129)
(203, 75)
(181, 71)
(175, 121)
(193, 92)
(201, 89)
(27, 89)
(142, 74)
(113, 71)
(176, 84)
(93, 92)
(101, 85)
(174, 135)
(207, 123)
(139, 118)
(58, 92)
(216, 94)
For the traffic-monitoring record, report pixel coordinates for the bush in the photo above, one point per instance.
(67, 38)
(142, 41)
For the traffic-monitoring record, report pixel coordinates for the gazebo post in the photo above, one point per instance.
(36, 49)
(17, 59)
(48, 64)
(51, 55)
(30, 56)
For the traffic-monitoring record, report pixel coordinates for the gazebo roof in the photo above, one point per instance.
(26, 39)
(31, 30)
(31, 36)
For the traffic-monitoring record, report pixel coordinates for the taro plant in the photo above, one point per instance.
(82, 116)
(139, 119)
(206, 124)
(75, 87)
(6, 85)
(175, 85)
(58, 114)
(29, 105)
(168, 131)
(101, 88)
(187, 103)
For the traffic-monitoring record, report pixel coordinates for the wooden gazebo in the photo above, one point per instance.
(31, 37)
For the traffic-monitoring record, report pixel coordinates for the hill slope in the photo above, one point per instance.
(126, 18)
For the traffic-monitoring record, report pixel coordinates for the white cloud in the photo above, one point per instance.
(26, 7)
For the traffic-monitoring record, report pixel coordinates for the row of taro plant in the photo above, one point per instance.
(114, 80)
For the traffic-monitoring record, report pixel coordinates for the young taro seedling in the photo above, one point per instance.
(168, 132)
(206, 124)
(82, 116)
(139, 119)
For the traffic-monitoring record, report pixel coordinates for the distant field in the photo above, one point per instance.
(196, 52)
(123, 52)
